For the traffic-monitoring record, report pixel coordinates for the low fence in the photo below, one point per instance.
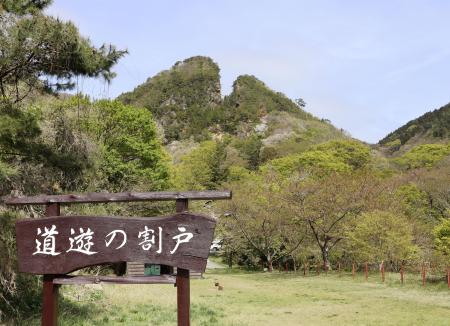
(422, 273)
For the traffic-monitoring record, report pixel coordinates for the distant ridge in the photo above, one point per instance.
(432, 127)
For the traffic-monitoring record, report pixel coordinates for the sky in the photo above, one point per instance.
(368, 66)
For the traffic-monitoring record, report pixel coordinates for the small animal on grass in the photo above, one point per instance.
(220, 288)
(216, 284)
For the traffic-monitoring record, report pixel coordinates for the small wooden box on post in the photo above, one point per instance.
(190, 255)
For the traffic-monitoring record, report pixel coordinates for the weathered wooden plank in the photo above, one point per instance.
(88, 279)
(182, 240)
(118, 197)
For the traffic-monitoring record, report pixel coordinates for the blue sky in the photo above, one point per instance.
(368, 66)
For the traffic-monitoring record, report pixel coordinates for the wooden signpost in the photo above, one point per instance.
(55, 246)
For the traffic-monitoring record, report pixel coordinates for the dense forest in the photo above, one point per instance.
(303, 190)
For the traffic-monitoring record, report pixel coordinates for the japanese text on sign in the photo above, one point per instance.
(82, 240)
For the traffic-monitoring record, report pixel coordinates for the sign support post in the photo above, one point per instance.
(183, 281)
(50, 290)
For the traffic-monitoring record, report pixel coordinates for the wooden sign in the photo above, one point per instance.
(59, 245)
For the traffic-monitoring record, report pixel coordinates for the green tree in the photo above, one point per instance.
(329, 205)
(37, 48)
(132, 153)
(415, 201)
(351, 152)
(24, 146)
(442, 237)
(424, 156)
(257, 216)
(382, 236)
(203, 168)
(20, 294)
(250, 150)
(37, 53)
(334, 156)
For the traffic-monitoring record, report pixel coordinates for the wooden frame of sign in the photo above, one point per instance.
(55, 246)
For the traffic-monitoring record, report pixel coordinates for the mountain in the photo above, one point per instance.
(183, 99)
(432, 127)
(186, 101)
(251, 99)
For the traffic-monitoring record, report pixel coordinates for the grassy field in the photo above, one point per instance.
(261, 299)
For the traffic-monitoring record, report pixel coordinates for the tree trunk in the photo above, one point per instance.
(230, 260)
(325, 257)
(269, 263)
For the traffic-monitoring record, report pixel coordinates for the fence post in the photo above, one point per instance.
(304, 269)
(366, 271)
(448, 277)
(353, 270)
(183, 285)
(339, 268)
(423, 274)
(318, 268)
(401, 273)
(382, 271)
(50, 290)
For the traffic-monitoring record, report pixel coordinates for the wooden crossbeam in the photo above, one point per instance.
(101, 197)
(91, 279)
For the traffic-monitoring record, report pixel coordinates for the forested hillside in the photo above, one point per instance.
(420, 143)
(432, 127)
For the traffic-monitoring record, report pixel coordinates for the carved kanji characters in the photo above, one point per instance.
(48, 246)
(181, 238)
(81, 243)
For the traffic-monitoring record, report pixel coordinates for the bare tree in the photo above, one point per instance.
(327, 204)
(258, 216)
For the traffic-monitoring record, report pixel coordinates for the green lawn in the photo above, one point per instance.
(262, 299)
